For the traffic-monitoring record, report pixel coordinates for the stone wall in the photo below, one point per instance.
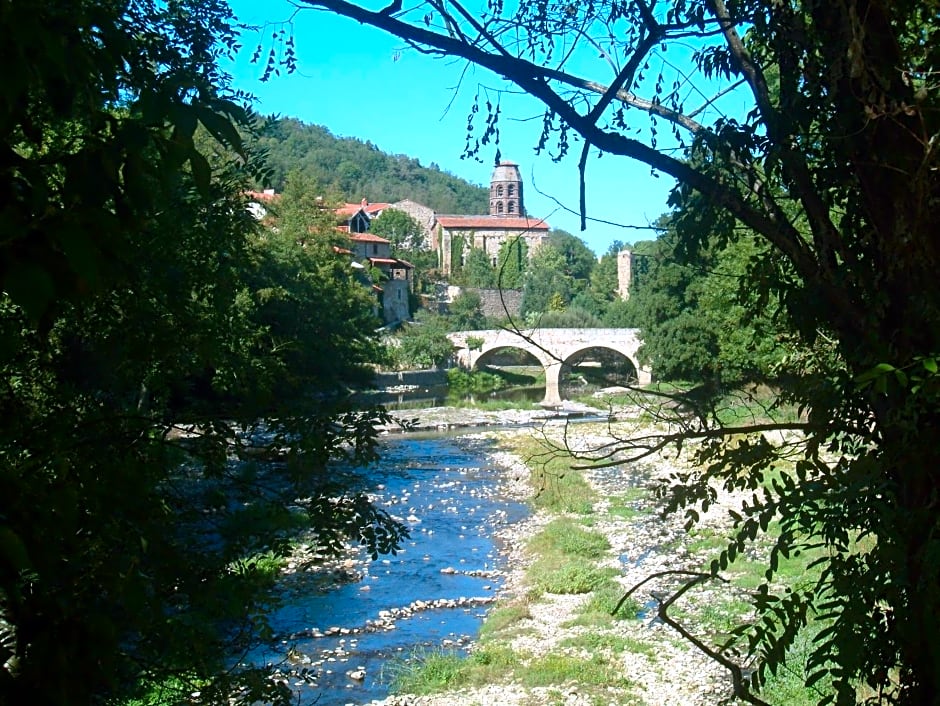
(424, 216)
(494, 307)
(624, 273)
(490, 302)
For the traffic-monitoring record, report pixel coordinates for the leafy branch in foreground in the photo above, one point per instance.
(146, 325)
(819, 135)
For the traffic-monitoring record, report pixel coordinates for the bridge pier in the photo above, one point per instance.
(552, 385)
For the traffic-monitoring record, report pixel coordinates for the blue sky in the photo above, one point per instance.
(358, 82)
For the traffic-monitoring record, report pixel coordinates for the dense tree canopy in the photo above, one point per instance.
(547, 278)
(694, 326)
(832, 165)
(349, 170)
(154, 344)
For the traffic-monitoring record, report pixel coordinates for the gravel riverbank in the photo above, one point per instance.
(658, 667)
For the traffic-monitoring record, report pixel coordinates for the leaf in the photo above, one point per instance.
(30, 287)
(222, 129)
(202, 174)
(901, 377)
(12, 550)
(878, 371)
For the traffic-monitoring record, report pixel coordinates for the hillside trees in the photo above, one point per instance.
(832, 163)
(349, 169)
(153, 346)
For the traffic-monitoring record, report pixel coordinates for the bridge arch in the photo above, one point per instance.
(551, 347)
(487, 354)
(575, 356)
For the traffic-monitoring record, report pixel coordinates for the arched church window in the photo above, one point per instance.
(512, 189)
(511, 206)
(499, 191)
(499, 207)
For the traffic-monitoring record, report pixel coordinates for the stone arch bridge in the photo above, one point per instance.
(552, 347)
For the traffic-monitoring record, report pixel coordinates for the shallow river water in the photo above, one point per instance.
(335, 639)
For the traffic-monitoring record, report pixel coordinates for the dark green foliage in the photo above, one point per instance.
(154, 348)
(424, 343)
(404, 232)
(699, 319)
(349, 170)
(457, 246)
(546, 279)
(465, 313)
(511, 263)
(477, 270)
(462, 382)
(579, 258)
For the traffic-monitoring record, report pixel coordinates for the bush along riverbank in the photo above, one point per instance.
(554, 637)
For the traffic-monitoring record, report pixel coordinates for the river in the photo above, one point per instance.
(338, 640)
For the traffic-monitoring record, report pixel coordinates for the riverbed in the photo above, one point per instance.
(341, 632)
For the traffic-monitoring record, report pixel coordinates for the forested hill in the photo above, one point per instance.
(350, 169)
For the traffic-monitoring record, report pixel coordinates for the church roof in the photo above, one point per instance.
(368, 238)
(493, 222)
(351, 209)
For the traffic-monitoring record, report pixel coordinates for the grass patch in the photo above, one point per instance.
(573, 576)
(553, 669)
(609, 643)
(502, 617)
(429, 672)
(705, 539)
(566, 537)
(606, 598)
(623, 505)
(559, 489)
(433, 671)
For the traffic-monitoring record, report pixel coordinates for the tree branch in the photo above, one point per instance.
(534, 79)
(738, 681)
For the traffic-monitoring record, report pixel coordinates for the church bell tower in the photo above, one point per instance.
(506, 191)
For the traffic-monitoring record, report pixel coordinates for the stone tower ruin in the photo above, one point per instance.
(506, 191)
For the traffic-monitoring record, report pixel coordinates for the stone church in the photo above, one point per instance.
(445, 233)
(506, 221)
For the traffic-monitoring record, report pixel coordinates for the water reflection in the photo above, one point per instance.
(439, 396)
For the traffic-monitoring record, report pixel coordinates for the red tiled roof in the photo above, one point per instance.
(493, 222)
(367, 238)
(391, 261)
(342, 229)
(351, 209)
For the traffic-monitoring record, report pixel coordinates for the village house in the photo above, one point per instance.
(450, 236)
